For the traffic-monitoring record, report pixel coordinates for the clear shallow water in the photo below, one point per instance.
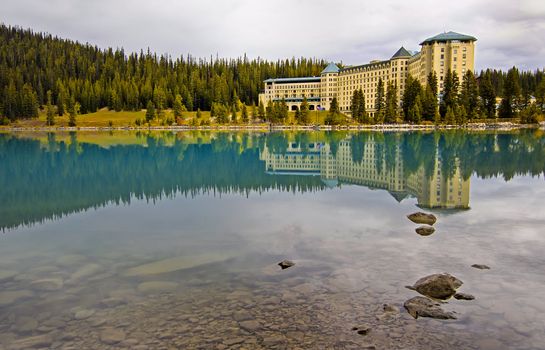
(171, 240)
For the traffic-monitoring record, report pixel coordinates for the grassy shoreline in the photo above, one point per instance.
(110, 120)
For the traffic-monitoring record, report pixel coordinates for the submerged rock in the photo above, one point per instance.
(362, 329)
(48, 284)
(10, 297)
(425, 230)
(177, 263)
(463, 296)
(480, 267)
(284, 264)
(422, 218)
(438, 286)
(39, 341)
(85, 272)
(7, 275)
(424, 307)
(83, 314)
(112, 336)
(157, 287)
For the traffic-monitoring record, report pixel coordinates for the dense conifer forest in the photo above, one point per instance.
(64, 77)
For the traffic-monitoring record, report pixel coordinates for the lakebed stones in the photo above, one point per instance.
(425, 230)
(284, 264)
(480, 266)
(438, 286)
(112, 336)
(463, 296)
(425, 307)
(422, 218)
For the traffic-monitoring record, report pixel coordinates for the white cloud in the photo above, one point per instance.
(353, 31)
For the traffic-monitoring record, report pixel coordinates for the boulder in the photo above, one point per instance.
(425, 230)
(422, 218)
(438, 286)
(284, 264)
(38, 341)
(84, 314)
(463, 296)
(424, 307)
(480, 267)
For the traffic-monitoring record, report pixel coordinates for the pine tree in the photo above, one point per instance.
(50, 110)
(73, 110)
(429, 104)
(511, 94)
(380, 103)
(178, 106)
(540, 95)
(391, 103)
(150, 111)
(244, 114)
(488, 96)
(304, 113)
(198, 115)
(450, 93)
(234, 117)
(413, 89)
(355, 105)
(469, 95)
(261, 111)
(29, 102)
(432, 83)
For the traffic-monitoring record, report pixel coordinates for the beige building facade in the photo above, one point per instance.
(438, 54)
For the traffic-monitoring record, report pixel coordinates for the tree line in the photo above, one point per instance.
(83, 78)
(65, 77)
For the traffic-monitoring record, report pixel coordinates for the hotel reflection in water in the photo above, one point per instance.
(317, 159)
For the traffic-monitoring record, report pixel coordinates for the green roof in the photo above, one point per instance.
(402, 52)
(293, 80)
(331, 68)
(448, 37)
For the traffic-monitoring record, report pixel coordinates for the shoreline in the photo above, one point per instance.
(265, 127)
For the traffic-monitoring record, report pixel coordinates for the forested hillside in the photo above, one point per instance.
(69, 78)
(33, 63)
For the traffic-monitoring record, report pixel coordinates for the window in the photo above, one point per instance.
(442, 56)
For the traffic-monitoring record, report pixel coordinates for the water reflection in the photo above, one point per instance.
(50, 175)
(369, 166)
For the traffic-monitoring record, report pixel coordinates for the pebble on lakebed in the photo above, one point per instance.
(480, 266)
(438, 286)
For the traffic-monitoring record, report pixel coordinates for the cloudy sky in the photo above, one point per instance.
(509, 32)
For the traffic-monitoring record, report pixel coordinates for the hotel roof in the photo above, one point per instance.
(331, 68)
(402, 52)
(443, 37)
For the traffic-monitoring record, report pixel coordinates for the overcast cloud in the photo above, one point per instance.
(509, 32)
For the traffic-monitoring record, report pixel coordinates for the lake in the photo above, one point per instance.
(166, 240)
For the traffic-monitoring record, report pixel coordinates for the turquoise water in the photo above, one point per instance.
(172, 239)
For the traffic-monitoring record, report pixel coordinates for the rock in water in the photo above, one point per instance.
(424, 307)
(422, 218)
(480, 267)
(425, 230)
(463, 296)
(285, 264)
(438, 286)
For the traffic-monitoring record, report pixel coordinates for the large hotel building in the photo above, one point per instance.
(438, 54)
